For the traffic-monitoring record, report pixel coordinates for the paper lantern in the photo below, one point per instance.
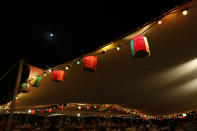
(37, 81)
(61, 107)
(41, 111)
(88, 108)
(50, 110)
(140, 47)
(33, 111)
(25, 88)
(107, 106)
(90, 63)
(113, 107)
(58, 75)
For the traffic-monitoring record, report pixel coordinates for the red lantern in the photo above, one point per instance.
(58, 75)
(107, 106)
(118, 109)
(33, 112)
(41, 111)
(61, 107)
(139, 46)
(113, 107)
(50, 110)
(90, 63)
(88, 107)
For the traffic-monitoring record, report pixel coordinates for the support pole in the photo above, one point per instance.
(18, 78)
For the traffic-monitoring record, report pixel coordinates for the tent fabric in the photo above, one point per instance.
(163, 83)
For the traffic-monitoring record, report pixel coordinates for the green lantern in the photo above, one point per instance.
(37, 81)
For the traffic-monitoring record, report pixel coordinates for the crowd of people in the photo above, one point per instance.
(24, 122)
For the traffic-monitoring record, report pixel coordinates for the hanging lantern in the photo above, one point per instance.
(58, 75)
(88, 107)
(90, 63)
(113, 107)
(61, 107)
(50, 110)
(41, 111)
(33, 111)
(140, 47)
(25, 88)
(36, 81)
(107, 106)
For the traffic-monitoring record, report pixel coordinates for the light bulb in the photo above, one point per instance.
(159, 22)
(49, 70)
(78, 62)
(67, 68)
(118, 48)
(184, 12)
(45, 74)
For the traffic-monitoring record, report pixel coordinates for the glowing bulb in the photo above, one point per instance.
(79, 107)
(184, 115)
(29, 111)
(78, 62)
(184, 12)
(118, 48)
(45, 74)
(105, 50)
(49, 70)
(159, 22)
(16, 97)
(78, 115)
(67, 68)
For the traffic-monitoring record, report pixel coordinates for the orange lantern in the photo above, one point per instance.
(58, 75)
(50, 110)
(88, 107)
(33, 112)
(107, 106)
(90, 63)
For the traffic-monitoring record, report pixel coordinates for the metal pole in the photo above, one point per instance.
(18, 78)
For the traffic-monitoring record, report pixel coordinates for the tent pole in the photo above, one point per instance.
(14, 95)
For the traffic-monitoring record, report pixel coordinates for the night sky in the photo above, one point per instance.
(77, 28)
